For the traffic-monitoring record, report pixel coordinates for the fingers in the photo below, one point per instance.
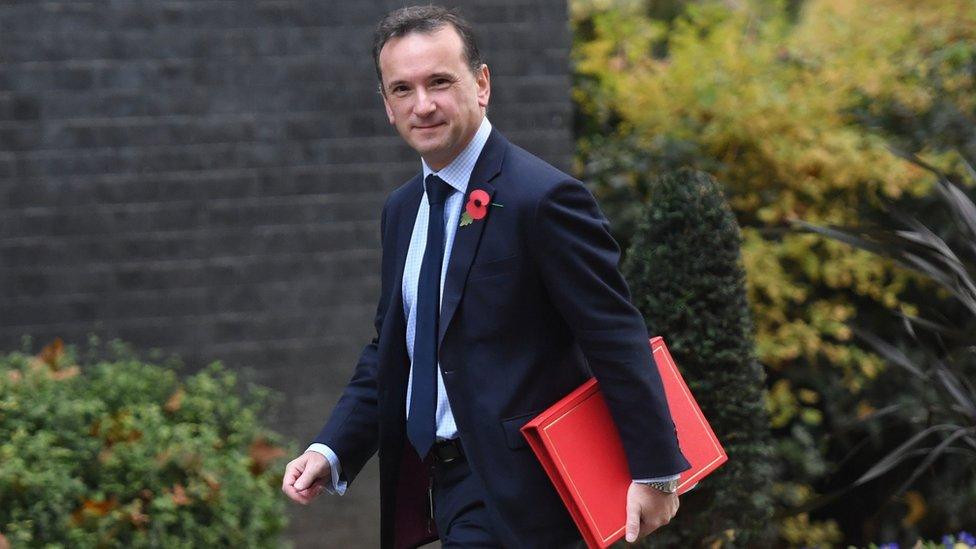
(633, 521)
(648, 510)
(306, 479)
(307, 495)
(663, 516)
(302, 481)
(292, 471)
(650, 522)
(650, 525)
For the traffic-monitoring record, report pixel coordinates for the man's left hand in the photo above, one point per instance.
(647, 510)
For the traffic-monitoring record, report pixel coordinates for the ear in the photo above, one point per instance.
(483, 81)
(389, 110)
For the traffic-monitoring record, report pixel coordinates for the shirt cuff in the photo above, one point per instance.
(338, 486)
(668, 478)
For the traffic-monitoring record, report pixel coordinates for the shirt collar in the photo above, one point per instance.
(458, 172)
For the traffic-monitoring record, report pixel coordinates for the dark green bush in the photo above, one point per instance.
(685, 274)
(122, 453)
(918, 429)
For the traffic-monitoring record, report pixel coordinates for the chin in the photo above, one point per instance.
(430, 149)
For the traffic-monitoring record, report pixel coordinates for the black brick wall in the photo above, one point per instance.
(206, 177)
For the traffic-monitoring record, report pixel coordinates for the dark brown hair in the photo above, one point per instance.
(425, 20)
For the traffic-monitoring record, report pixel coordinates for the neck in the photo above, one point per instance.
(438, 166)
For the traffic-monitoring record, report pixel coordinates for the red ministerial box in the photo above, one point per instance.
(579, 447)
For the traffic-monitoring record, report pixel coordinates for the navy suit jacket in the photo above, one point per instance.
(533, 305)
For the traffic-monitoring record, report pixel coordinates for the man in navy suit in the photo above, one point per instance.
(500, 294)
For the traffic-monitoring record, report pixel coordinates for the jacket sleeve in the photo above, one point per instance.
(352, 431)
(570, 242)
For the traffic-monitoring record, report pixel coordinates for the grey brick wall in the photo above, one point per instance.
(206, 177)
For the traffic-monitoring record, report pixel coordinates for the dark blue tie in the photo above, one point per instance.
(423, 396)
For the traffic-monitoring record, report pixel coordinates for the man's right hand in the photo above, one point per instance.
(306, 477)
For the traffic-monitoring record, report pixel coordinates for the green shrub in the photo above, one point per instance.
(122, 453)
(685, 274)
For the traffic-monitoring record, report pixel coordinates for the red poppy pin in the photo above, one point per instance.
(477, 207)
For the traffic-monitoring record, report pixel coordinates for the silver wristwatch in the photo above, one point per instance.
(668, 487)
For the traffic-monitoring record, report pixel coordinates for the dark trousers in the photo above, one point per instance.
(459, 507)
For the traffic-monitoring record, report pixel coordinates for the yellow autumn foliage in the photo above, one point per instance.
(782, 107)
(768, 102)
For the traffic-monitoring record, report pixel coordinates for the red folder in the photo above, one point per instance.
(579, 447)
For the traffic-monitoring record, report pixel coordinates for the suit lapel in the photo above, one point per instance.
(405, 221)
(407, 218)
(466, 238)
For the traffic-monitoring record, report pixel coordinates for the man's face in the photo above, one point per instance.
(430, 94)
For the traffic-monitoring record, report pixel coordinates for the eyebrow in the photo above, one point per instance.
(447, 75)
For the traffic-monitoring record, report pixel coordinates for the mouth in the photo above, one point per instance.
(427, 126)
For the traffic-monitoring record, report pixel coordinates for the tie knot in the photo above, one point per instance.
(437, 189)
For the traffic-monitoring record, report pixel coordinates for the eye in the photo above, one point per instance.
(400, 90)
(440, 83)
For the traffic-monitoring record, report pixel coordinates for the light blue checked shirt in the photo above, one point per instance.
(456, 174)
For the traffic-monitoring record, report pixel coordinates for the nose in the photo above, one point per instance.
(425, 104)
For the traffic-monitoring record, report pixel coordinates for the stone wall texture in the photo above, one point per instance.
(206, 177)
